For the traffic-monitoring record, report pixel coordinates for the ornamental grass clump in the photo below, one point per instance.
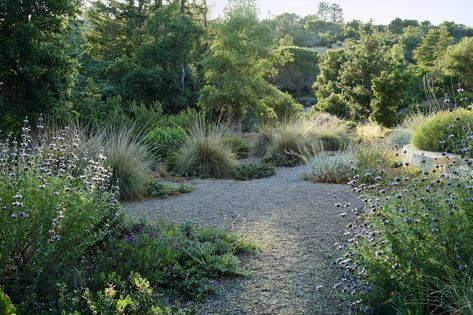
(448, 131)
(296, 141)
(410, 249)
(204, 153)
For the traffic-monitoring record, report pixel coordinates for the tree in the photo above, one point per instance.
(366, 61)
(297, 73)
(336, 13)
(411, 38)
(323, 11)
(458, 62)
(432, 47)
(236, 63)
(330, 66)
(36, 73)
(398, 25)
(144, 51)
(329, 12)
(388, 90)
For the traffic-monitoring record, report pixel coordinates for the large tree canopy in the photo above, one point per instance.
(36, 73)
(298, 73)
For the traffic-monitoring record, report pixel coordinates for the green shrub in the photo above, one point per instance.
(254, 171)
(337, 168)
(164, 141)
(413, 254)
(160, 189)
(445, 131)
(177, 258)
(51, 219)
(238, 145)
(263, 140)
(6, 306)
(203, 153)
(335, 104)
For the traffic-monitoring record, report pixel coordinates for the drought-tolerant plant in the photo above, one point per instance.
(204, 153)
(6, 306)
(296, 141)
(128, 157)
(50, 218)
(370, 132)
(254, 171)
(372, 162)
(399, 137)
(133, 295)
(263, 141)
(412, 251)
(336, 168)
(445, 131)
(177, 258)
(238, 145)
(164, 141)
(66, 246)
(160, 189)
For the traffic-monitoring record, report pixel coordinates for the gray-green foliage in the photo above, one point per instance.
(336, 168)
(204, 153)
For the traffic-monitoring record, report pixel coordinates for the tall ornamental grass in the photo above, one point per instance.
(296, 141)
(204, 153)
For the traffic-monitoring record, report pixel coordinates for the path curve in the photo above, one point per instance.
(293, 221)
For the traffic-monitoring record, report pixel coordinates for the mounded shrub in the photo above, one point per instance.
(335, 104)
(177, 258)
(164, 141)
(337, 168)
(238, 146)
(204, 154)
(399, 137)
(160, 189)
(445, 131)
(254, 171)
(263, 140)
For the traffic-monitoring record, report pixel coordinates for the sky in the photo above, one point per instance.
(381, 11)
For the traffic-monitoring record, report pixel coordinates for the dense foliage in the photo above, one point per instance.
(67, 247)
(445, 132)
(411, 253)
(116, 57)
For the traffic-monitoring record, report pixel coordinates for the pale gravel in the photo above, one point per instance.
(294, 222)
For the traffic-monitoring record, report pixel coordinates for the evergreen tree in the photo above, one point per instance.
(36, 72)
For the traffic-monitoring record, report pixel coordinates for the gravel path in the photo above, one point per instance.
(294, 222)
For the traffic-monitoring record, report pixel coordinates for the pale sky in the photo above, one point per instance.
(382, 11)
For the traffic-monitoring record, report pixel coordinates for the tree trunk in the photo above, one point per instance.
(183, 77)
(183, 6)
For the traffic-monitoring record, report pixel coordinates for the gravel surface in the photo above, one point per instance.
(293, 221)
